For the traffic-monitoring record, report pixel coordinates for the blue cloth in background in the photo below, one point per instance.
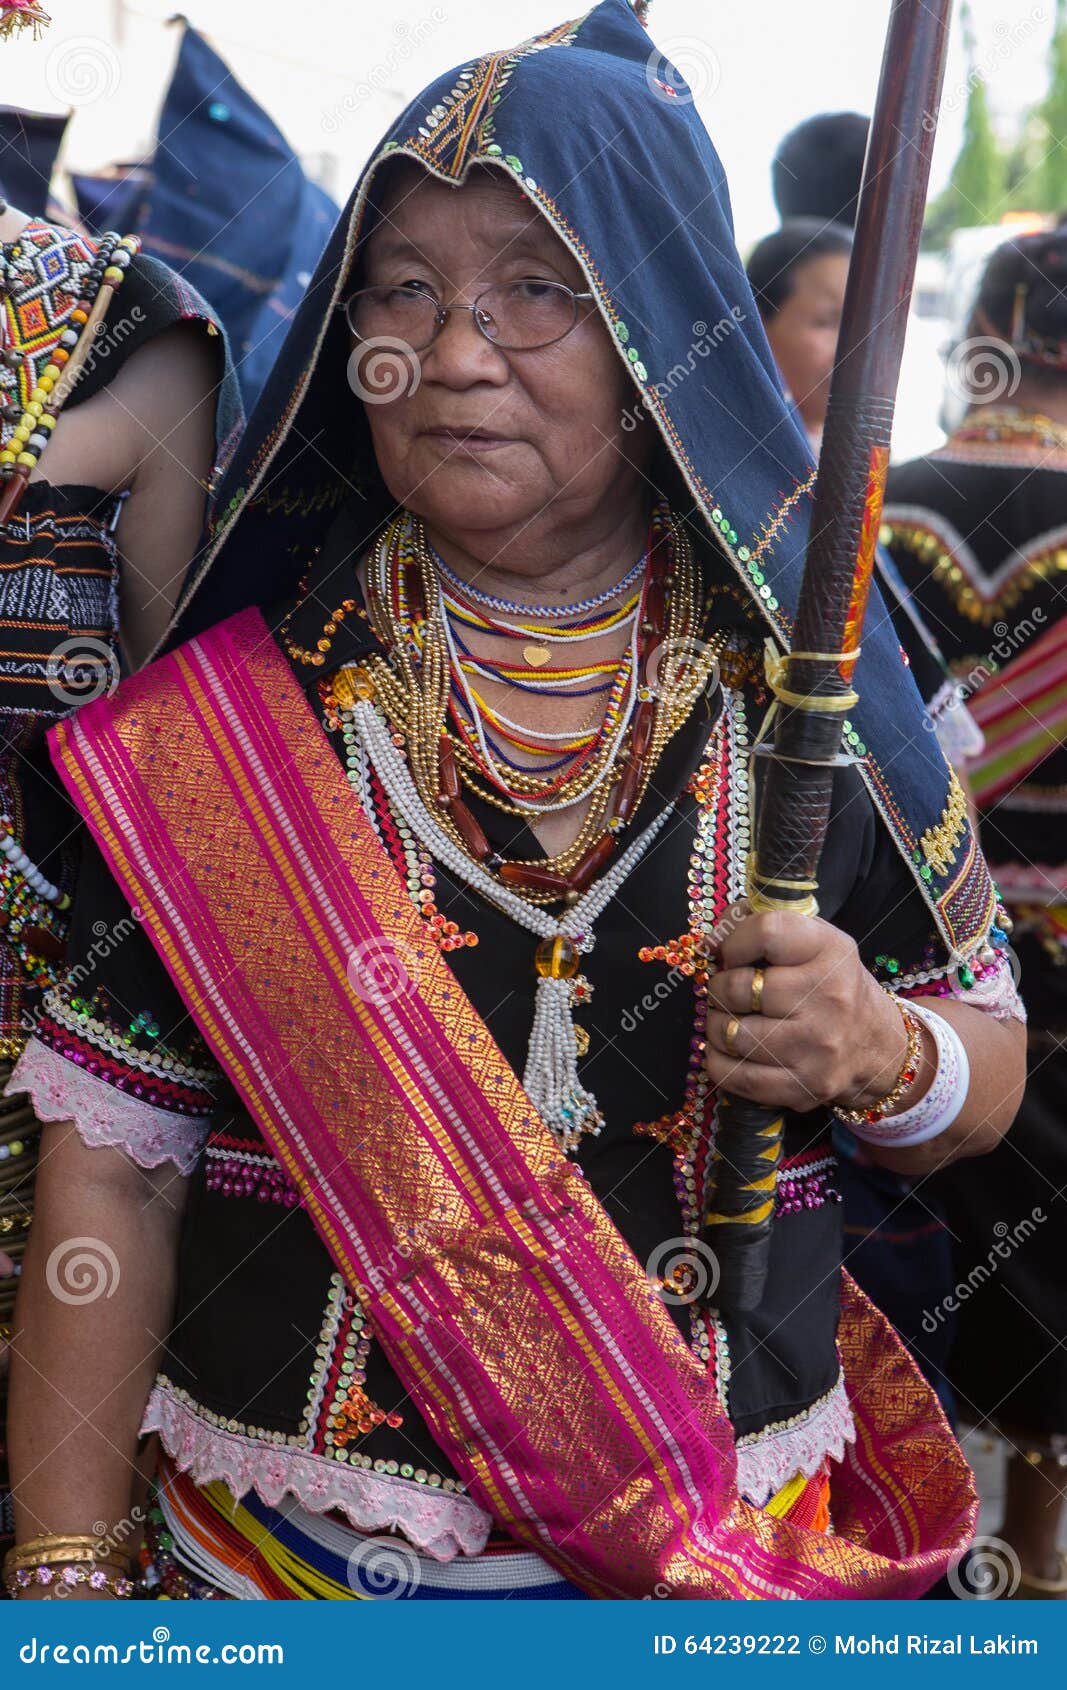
(225, 202)
(113, 200)
(231, 209)
(29, 146)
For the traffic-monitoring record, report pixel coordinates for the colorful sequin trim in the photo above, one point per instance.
(930, 977)
(979, 597)
(237, 1168)
(806, 1182)
(88, 1033)
(715, 880)
(940, 843)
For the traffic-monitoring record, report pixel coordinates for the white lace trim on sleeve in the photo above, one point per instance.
(62, 1091)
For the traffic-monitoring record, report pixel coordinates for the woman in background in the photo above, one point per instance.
(798, 276)
(102, 504)
(978, 532)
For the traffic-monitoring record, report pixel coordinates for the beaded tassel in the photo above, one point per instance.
(551, 1077)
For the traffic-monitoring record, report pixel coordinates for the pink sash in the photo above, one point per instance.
(522, 1324)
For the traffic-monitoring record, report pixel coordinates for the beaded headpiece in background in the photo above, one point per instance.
(22, 14)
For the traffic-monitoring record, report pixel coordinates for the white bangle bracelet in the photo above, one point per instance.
(944, 1099)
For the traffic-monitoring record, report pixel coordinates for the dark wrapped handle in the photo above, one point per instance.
(744, 1173)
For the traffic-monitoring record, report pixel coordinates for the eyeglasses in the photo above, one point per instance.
(513, 316)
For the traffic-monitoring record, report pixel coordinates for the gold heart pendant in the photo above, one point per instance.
(536, 655)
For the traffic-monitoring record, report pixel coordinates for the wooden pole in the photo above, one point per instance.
(816, 693)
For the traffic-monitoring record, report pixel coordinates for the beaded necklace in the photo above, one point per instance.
(551, 1075)
(541, 612)
(1010, 436)
(32, 911)
(393, 720)
(414, 691)
(521, 788)
(561, 679)
(583, 628)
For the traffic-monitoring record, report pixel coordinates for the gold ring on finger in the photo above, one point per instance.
(733, 1027)
(759, 978)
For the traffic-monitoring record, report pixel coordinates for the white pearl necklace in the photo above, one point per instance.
(551, 1074)
(29, 871)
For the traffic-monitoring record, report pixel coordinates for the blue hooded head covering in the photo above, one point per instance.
(601, 133)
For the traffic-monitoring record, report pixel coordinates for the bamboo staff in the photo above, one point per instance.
(815, 692)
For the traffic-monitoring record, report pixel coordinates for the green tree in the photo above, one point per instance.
(979, 179)
(1051, 186)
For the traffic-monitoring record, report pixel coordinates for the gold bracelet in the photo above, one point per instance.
(56, 1557)
(908, 1072)
(54, 1547)
(51, 1540)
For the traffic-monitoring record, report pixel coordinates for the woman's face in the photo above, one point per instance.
(803, 332)
(492, 442)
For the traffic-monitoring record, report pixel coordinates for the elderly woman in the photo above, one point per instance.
(395, 1112)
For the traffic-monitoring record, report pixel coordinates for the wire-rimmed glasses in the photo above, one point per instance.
(518, 316)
